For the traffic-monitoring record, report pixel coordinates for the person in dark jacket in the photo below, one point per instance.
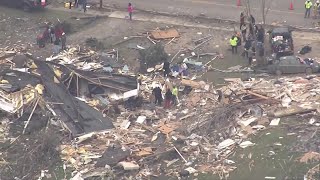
(166, 68)
(84, 6)
(247, 46)
(158, 95)
(242, 17)
(168, 98)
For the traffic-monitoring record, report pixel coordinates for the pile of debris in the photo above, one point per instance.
(117, 130)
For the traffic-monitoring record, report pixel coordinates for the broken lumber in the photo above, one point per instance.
(256, 94)
(191, 83)
(175, 55)
(30, 116)
(291, 111)
(165, 34)
(207, 40)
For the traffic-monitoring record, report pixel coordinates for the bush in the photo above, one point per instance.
(152, 56)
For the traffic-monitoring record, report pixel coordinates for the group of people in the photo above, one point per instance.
(54, 35)
(314, 7)
(170, 96)
(252, 35)
(171, 92)
(81, 4)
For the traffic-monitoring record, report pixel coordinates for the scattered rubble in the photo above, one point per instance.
(114, 128)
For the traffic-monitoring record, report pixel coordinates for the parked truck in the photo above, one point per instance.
(26, 5)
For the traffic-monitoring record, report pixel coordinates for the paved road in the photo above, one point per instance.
(225, 9)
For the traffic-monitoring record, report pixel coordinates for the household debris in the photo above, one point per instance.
(115, 126)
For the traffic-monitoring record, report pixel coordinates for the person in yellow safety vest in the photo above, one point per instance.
(308, 5)
(234, 44)
(175, 95)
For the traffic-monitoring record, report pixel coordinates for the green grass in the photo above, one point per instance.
(282, 165)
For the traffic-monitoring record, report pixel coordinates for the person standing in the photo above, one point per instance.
(84, 6)
(80, 4)
(63, 41)
(56, 46)
(76, 3)
(242, 17)
(58, 31)
(308, 5)
(247, 46)
(243, 29)
(316, 9)
(234, 44)
(70, 4)
(157, 94)
(250, 55)
(168, 98)
(166, 68)
(52, 37)
(252, 20)
(130, 10)
(175, 99)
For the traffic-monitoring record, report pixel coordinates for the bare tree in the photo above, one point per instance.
(100, 4)
(265, 9)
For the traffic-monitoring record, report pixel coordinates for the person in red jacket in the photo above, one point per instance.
(130, 10)
(58, 32)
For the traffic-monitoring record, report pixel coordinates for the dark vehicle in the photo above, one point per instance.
(26, 5)
(281, 41)
(293, 64)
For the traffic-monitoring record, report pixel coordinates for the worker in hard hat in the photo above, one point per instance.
(307, 5)
(234, 44)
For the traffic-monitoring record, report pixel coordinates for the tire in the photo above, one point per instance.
(278, 72)
(308, 71)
